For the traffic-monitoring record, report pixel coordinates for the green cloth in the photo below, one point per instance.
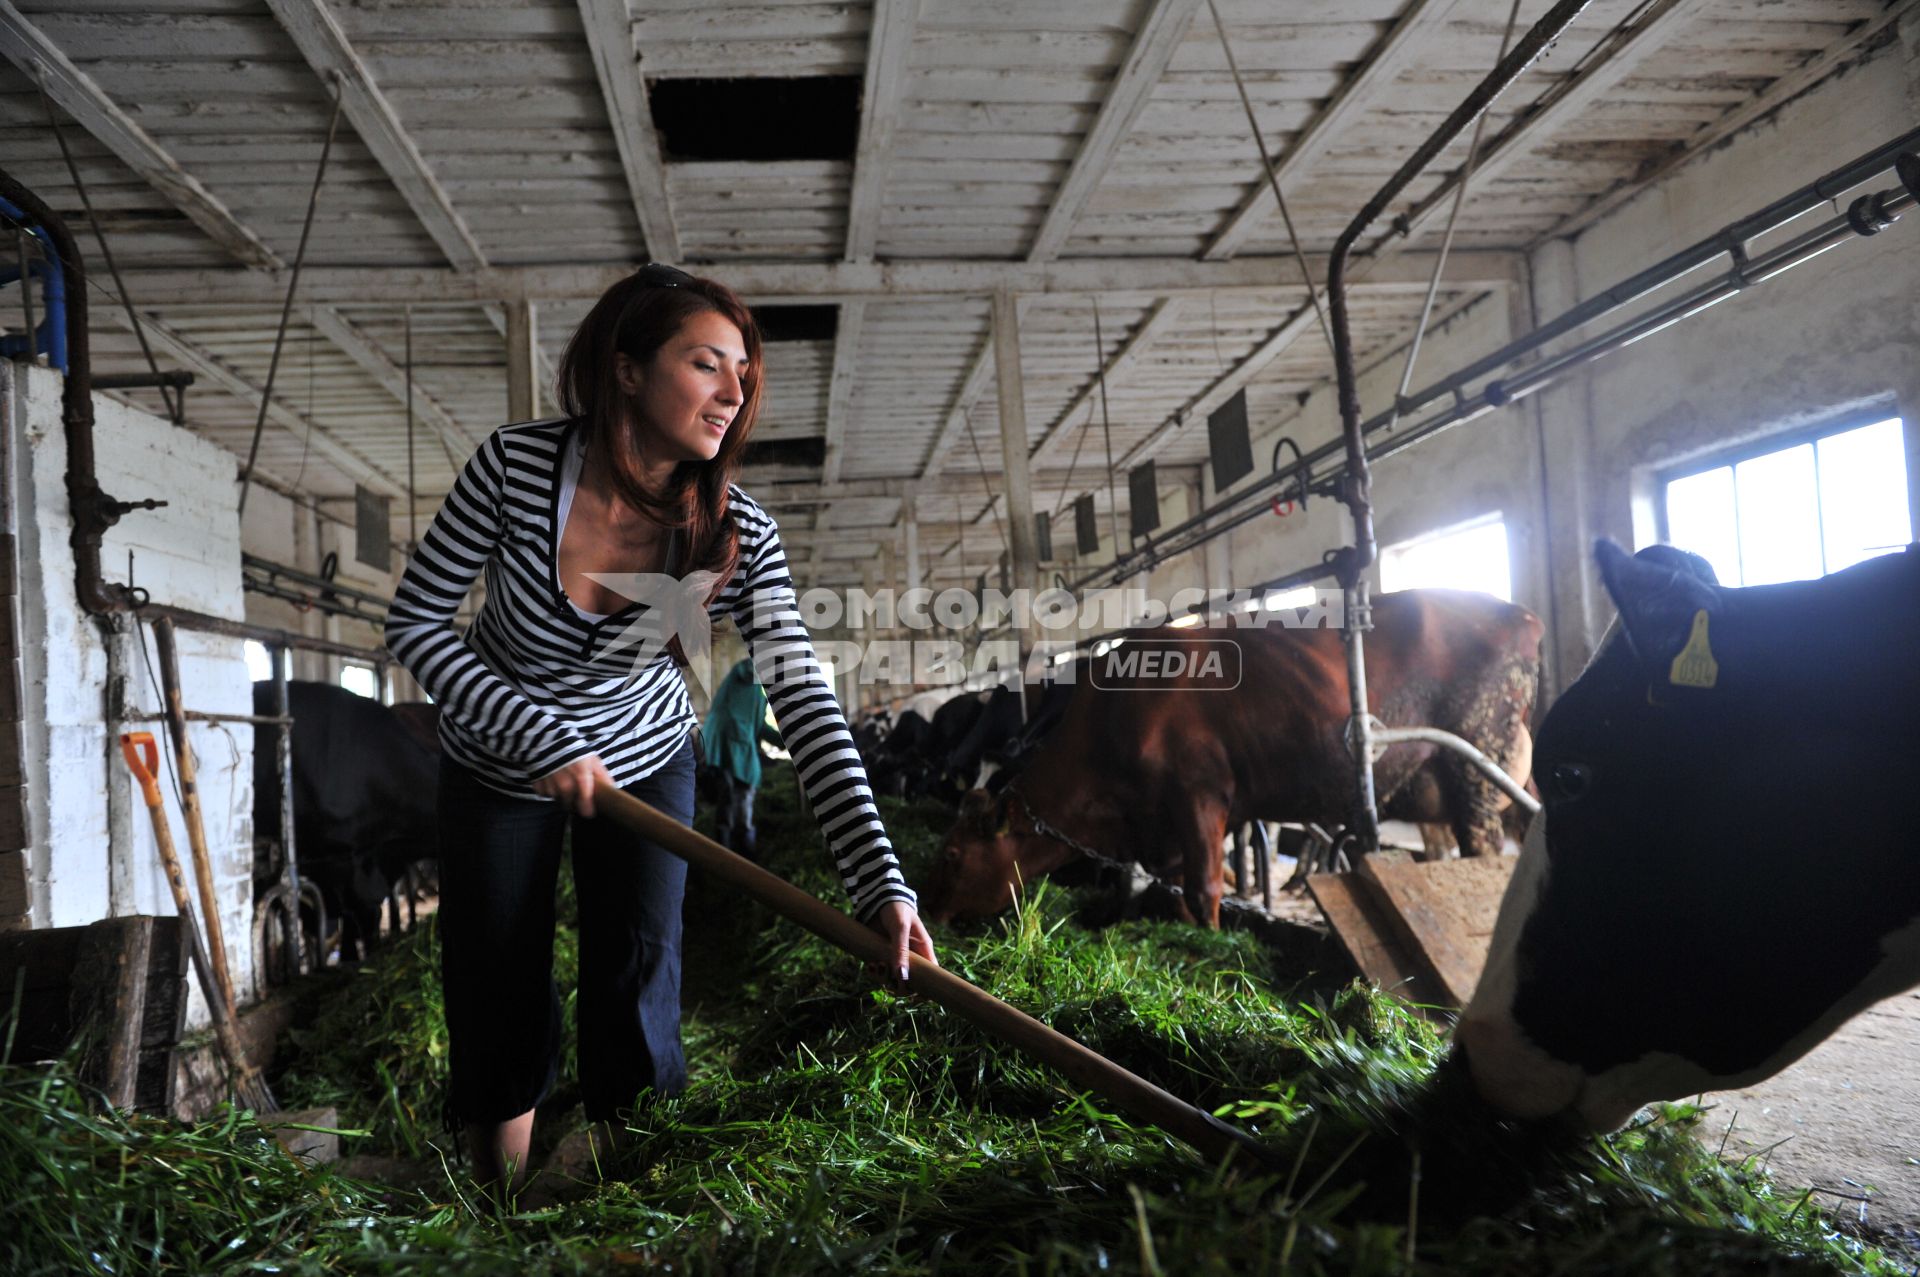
(736, 724)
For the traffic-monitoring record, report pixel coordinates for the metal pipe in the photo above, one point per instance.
(1181, 538)
(283, 769)
(1352, 561)
(177, 379)
(1385, 736)
(93, 510)
(273, 570)
(190, 620)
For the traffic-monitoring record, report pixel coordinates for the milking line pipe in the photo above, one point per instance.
(1127, 1091)
(1729, 241)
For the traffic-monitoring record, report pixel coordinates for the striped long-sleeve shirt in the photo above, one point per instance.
(534, 685)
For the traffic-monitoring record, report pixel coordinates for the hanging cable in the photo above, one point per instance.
(1266, 166)
(1446, 240)
(174, 408)
(299, 256)
(992, 502)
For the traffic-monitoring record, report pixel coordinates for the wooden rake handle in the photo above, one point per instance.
(1087, 1069)
(143, 758)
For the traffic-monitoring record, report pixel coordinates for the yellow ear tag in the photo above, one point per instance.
(1695, 666)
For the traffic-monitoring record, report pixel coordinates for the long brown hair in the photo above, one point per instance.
(636, 317)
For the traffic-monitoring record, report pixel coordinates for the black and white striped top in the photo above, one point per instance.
(534, 685)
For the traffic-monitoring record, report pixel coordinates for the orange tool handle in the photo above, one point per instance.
(143, 756)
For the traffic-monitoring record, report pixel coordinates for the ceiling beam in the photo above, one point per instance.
(1354, 98)
(1166, 316)
(1153, 48)
(363, 350)
(889, 56)
(325, 46)
(846, 344)
(1652, 35)
(764, 282)
(1781, 91)
(616, 62)
(76, 93)
(203, 363)
(979, 373)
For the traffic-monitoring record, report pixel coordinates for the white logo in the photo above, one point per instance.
(676, 606)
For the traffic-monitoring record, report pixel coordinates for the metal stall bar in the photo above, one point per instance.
(1730, 241)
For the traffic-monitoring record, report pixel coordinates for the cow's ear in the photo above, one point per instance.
(1666, 599)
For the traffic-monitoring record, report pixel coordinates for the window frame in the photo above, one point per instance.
(1784, 442)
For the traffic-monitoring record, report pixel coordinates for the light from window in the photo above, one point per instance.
(1798, 512)
(259, 661)
(1470, 557)
(360, 680)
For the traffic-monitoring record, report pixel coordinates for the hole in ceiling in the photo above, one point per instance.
(813, 117)
(787, 452)
(797, 323)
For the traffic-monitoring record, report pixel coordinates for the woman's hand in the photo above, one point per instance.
(574, 783)
(903, 929)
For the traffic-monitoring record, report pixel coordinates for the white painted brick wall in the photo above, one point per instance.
(93, 852)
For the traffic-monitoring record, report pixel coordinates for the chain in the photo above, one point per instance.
(1046, 830)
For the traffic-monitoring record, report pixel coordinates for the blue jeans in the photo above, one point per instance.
(499, 864)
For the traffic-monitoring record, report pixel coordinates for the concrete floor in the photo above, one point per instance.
(1844, 1118)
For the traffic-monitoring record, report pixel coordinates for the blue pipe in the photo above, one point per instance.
(51, 335)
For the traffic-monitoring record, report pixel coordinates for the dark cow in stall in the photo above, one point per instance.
(894, 765)
(1159, 769)
(365, 781)
(995, 724)
(1726, 868)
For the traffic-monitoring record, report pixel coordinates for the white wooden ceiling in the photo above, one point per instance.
(1082, 154)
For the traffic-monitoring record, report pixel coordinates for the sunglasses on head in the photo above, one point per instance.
(659, 275)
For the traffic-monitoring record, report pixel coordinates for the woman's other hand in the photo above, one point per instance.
(901, 925)
(573, 784)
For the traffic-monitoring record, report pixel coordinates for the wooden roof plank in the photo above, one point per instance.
(889, 54)
(77, 94)
(1160, 35)
(317, 34)
(201, 361)
(1357, 95)
(616, 62)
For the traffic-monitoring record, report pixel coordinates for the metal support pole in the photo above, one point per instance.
(283, 768)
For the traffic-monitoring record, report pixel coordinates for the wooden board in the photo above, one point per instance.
(117, 987)
(1360, 921)
(1444, 911)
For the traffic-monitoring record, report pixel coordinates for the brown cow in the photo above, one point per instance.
(1158, 770)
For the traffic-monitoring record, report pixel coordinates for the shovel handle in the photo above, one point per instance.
(1132, 1094)
(143, 758)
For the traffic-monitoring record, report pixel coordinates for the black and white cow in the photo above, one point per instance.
(365, 781)
(1726, 868)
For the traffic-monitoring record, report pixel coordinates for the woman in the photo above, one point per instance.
(543, 701)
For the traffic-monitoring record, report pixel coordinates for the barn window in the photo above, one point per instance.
(259, 661)
(360, 680)
(1796, 512)
(1467, 556)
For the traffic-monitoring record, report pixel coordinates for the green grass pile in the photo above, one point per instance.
(833, 1127)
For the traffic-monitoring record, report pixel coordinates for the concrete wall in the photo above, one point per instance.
(92, 851)
(1833, 340)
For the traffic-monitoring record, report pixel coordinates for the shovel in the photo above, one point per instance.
(143, 756)
(1128, 1092)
